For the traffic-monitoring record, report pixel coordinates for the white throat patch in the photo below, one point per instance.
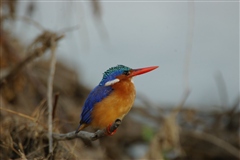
(109, 83)
(132, 81)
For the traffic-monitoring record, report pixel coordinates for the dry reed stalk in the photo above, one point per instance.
(49, 92)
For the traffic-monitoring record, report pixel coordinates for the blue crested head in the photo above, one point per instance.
(113, 72)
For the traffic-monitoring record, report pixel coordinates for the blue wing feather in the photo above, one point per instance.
(96, 95)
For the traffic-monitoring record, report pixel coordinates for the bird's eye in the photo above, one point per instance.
(126, 73)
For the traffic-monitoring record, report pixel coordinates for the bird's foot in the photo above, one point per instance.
(109, 132)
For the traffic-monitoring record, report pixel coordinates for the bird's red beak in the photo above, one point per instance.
(139, 71)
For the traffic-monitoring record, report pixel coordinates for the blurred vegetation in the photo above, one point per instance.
(184, 134)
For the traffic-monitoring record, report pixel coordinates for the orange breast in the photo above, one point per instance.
(115, 106)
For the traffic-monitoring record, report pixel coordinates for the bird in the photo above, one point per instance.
(111, 99)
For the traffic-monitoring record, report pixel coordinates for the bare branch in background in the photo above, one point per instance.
(189, 43)
(222, 89)
(27, 20)
(97, 10)
(55, 105)
(44, 39)
(69, 29)
(32, 22)
(49, 92)
(182, 102)
(19, 114)
(24, 116)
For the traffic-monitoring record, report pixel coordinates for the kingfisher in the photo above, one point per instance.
(111, 99)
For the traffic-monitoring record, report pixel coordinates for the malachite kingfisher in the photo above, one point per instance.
(112, 99)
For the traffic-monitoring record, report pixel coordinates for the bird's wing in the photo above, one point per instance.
(96, 95)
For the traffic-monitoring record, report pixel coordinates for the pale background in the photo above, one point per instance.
(139, 34)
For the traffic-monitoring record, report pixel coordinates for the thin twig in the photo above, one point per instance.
(37, 52)
(37, 109)
(21, 152)
(31, 21)
(86, 135)
(55, 105)
(222, 89)
(49, 92)
(189, 44)
(27, 20)
(182, 102)
(23, 115)
(69, 29)
(19, 114)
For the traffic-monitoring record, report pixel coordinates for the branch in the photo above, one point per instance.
(86, 135)
(24, 116)
(55, 105)
(49, 92)
(25, 19)
(45, 39)
(19, 114)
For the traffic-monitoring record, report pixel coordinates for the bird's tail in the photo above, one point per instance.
(80, 127)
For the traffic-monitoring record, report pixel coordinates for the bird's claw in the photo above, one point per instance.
(109, 132)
